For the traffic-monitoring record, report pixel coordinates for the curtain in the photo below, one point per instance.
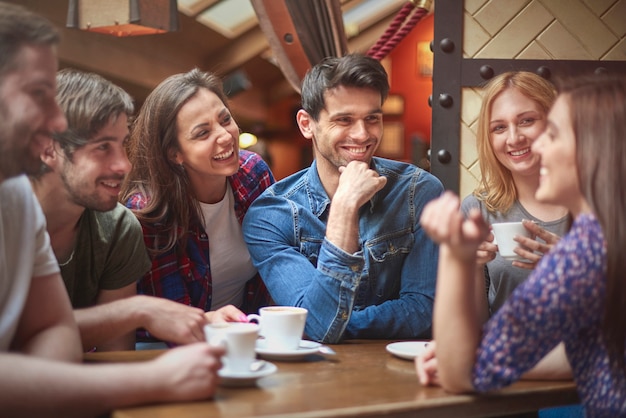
(301, 33)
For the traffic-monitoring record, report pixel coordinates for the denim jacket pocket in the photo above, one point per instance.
(386, 255)
(396, 244)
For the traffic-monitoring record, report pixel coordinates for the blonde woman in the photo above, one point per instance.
(512, 116)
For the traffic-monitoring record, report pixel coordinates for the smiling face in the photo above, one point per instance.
(208, 142)
(516, 122)
(93, 176)
(349, 128)
(556, 147)
(29, 113)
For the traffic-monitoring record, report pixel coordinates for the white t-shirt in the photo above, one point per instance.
(25, 251)
(231, 265)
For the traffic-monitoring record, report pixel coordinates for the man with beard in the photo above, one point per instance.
(97, 241)
(39, 339)
(342, 238)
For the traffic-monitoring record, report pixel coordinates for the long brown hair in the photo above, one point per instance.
(496, 188)
(170, 200)
(598, 113)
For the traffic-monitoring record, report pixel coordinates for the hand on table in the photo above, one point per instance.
(188, 373)
(172, 321)
(531, 249)
(426, 366)
(228, 313)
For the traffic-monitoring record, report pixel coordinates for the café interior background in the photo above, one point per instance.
(512, 31)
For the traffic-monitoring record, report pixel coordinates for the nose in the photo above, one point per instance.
(121, 163)
(359, 130)
(224, 136)
(515, 134)
(56, 118)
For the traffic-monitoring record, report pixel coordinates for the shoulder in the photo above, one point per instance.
(253, 174)
(290, 184)
(402, 175)
(586, 236)
(120, 220)
(472, 201)
(136, 201)
(119, 213)
(252, 163)
(579, 257)
(17, 189)
(18, 199)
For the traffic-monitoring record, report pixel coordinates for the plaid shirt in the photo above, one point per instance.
(185, 277)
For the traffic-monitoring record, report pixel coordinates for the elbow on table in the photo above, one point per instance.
(455, 384)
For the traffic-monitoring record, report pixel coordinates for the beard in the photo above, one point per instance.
(84, 192)
(18, 156)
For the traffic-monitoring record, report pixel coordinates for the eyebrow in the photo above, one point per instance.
(107, 138)
(524, 113)
(222, 113)
(377, 111)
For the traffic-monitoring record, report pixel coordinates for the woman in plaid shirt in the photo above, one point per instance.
(190, 184)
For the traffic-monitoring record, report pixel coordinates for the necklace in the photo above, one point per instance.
(68, 260)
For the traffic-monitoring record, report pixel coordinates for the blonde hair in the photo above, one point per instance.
(496, 188)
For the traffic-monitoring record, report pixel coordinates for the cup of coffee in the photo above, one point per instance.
(504, 233)
(282, 326)
(239, 339)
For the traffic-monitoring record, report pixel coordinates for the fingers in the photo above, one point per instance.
(524, 265)
(228, 313)
(426, 366)
(358, 183)
(536, 230)
(530, 245)
(441, 217)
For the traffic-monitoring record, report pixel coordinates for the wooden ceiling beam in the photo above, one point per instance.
(237, 52)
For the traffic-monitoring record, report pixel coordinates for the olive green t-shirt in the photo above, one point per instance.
(109, 254)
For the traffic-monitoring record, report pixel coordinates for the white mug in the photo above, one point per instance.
(504, 233)
(282, 326)
(239, 339)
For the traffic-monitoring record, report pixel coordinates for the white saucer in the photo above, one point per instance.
(407, 350)
(305, 348)
(228, 378)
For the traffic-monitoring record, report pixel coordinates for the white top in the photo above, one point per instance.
(25, 251)
(231, 266)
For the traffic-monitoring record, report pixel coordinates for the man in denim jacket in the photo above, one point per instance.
(342, 237)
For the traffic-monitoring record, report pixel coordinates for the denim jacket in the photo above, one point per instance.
(385, 290)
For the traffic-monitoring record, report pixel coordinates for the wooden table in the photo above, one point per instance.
(362, 380)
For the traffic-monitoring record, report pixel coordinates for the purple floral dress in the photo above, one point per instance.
(563, 300)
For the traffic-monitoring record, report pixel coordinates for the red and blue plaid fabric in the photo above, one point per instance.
(185, 276)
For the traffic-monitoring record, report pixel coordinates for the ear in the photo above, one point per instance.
(175, 156)
(305, 123)
(50, 155)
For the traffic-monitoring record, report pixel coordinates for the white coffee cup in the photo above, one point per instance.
(239, 339)
(504, 233)
(282, 326)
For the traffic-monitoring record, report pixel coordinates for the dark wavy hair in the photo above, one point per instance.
(153, 143)
(89, 102)
(352, 70)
